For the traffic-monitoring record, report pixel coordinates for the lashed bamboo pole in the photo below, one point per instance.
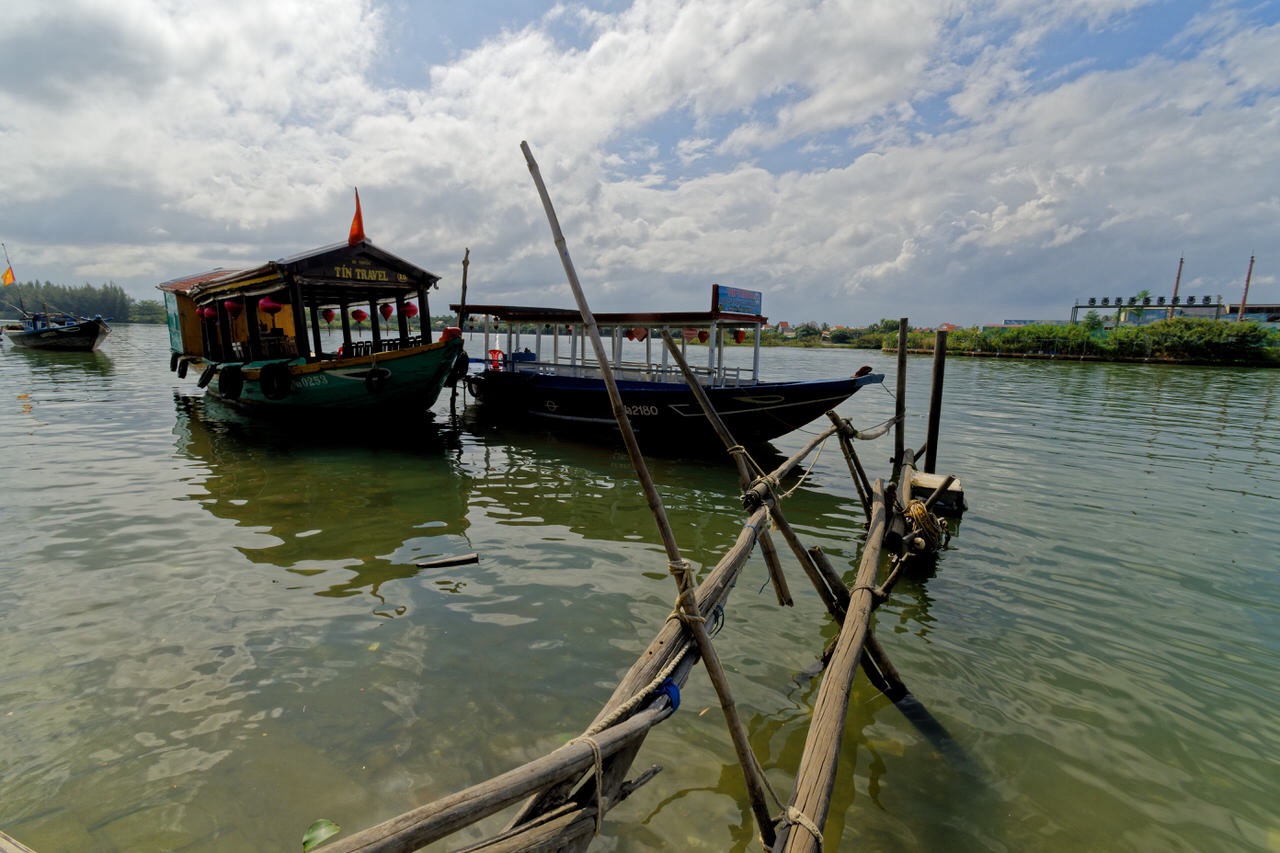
(421, 826)
(680, 569)
(443, 817)
(771, 561)
(859, 476)
(807, 809)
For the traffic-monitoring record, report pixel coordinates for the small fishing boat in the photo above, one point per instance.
(254, 337)
(557, 383)
(53, 331)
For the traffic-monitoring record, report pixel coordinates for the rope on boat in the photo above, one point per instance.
(928, 525)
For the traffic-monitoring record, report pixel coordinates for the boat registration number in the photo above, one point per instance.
(311, 381)
(641, 410)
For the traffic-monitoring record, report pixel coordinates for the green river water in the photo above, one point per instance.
(212, 634)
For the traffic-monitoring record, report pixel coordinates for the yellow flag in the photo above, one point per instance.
(8, 276)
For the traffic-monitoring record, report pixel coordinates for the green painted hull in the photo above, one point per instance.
(399, 381)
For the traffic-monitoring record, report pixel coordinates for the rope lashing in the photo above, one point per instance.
(927, 524)
(795, 817)
(686, 609)
(599, 771)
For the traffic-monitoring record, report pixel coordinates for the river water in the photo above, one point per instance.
(212, 634)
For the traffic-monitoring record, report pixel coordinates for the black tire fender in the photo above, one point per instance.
(207, 376)
(459, 369)
(182, 368)
(375, 378)
(275, 381)
(231, 381)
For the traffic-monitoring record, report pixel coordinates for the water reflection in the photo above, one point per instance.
(317, 503)
(57, 368)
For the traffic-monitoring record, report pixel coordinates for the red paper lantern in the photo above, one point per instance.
(269, 305)
(386, 309)
(209, 312)
(739, 335)
(328, 315)
(631, 334)
(411, 310)
(233, 308)
(359, 315)
(703, 334)
(640, 333)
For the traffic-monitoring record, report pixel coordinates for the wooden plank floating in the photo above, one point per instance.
(448, 560)
(950, 503)
(564, 795)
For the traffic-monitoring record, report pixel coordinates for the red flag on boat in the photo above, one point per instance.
(357, 224)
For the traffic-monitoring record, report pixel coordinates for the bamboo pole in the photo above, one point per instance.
(807, 809)
(433, 821)
(855, 465)
(677, 564)
(771, 561)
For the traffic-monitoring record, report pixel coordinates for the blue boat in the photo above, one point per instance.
(64, 332)
(539, 371)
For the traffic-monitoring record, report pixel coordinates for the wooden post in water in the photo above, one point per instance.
(935, 400)
(900, 403)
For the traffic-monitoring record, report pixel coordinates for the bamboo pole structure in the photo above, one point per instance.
(561, 798)
(801, 830)
(771, 561)
(676, 563)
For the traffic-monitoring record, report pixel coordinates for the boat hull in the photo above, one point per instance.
(406, 380)
(661, 413)
(84, 336)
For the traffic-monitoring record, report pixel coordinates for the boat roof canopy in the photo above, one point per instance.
(331, 275)
(570, 316)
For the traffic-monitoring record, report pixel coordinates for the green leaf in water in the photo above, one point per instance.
(319, 832)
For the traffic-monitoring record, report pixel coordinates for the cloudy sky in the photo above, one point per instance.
(946, 160)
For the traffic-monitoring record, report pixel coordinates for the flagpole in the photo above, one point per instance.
(9, 277)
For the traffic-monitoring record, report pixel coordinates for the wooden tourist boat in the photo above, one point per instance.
(255, 336)
(63, 332)
(557, 383)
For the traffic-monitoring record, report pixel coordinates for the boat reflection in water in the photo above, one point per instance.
(371, 506)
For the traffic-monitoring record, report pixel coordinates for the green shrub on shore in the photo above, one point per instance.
(1178, 339)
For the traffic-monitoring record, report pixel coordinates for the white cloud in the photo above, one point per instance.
(916, 157)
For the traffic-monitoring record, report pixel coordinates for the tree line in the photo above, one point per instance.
(110, 301)
(1193, 339)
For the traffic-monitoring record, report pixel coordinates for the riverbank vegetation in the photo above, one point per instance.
(109, 300)
(1181, 339)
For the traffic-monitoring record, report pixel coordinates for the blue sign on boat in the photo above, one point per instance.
(735, 300)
